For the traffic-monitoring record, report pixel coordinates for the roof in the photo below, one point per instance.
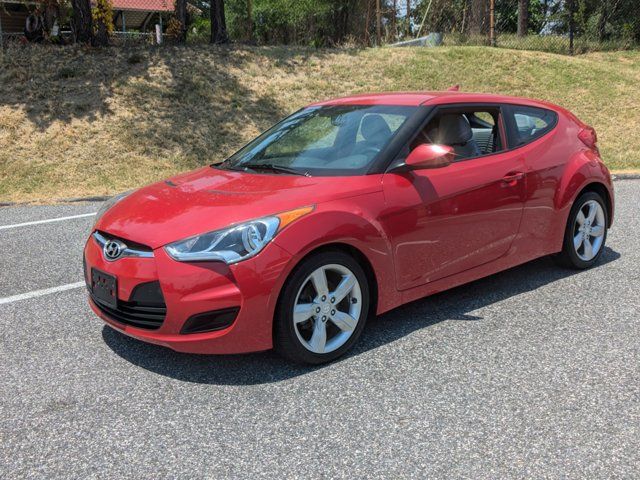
(430, 98)
(144, 5)
(385, 98)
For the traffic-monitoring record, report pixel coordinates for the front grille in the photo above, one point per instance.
(129, 243)
(146, 308)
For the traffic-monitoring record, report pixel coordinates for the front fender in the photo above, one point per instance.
(346, 225)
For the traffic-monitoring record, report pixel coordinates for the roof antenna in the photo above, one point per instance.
(454, 88)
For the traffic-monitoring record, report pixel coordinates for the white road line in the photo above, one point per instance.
(49, 220)
(39, 293)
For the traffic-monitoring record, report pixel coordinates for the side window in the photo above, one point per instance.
(472, 132)
(530, 123)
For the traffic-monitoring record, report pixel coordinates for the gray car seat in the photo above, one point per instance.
(375, 131)
(454, 130)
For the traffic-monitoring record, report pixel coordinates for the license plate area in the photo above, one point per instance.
(104, 287)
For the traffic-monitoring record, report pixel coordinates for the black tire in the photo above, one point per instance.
(568, 257)
(286, 341)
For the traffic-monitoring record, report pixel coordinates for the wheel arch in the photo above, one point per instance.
(584, 172)
(603, 191)
(357, 255)
(348, 249)
(358, 234)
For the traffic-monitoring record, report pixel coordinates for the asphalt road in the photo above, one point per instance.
(531, 373)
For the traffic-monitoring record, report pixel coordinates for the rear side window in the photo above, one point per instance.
(529, 123)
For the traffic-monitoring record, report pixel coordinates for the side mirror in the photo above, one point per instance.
(429, 156)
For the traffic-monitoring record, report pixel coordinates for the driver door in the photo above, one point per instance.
(447, 220)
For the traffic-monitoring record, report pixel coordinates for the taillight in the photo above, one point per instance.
(589, 137)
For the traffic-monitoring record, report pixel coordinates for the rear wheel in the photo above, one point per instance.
(586, 232)
(322, 309)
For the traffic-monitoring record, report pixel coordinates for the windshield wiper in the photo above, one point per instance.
(273, 168)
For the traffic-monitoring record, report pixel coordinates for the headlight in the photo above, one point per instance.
(233, 244)
(107, 204)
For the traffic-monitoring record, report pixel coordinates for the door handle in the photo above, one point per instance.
(512, 177)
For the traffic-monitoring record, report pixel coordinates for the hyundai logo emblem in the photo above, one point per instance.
(113, 249)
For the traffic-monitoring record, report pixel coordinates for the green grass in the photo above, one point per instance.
(77, 122)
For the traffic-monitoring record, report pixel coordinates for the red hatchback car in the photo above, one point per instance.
(347, 208)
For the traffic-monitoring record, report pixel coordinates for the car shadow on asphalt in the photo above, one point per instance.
(268, 367)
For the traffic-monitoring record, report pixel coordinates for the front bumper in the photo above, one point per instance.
(189, 289)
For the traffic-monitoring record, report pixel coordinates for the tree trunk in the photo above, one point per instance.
(408, 18)
(479, 17)
(101, 38)
(181, 16)
(605, 12)
(218, 22)
(366, 23)
(602, 23)
(378, 24)
(394, 31)
(250, 20)
(82, 25)
(609, 9)
(523, 17)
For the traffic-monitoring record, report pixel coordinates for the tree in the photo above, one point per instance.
(81, 21)
(378, 24)
(181, 16)
(218, 23)
(479, 17)
(394, 30)
(250, 20)
(607, 10)
(523, 17)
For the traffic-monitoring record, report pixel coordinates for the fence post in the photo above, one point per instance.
(571, 27)
(492, 22)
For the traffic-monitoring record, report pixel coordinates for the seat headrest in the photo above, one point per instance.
(454, 129)
(374, 126)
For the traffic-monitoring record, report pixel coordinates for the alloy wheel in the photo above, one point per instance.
(327, 308)
(588, 230)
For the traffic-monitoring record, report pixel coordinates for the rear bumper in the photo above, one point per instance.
(189, 289)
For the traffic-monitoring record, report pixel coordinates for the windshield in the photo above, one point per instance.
(331, 140)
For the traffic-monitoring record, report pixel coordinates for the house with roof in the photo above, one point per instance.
(128, 15)
(140, 15)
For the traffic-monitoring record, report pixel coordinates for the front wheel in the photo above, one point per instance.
(586, 232)
(322, 309)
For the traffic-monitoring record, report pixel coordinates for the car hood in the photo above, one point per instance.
(210, 199)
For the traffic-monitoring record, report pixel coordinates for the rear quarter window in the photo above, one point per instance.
(529, 124)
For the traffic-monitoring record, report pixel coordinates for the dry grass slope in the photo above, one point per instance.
(76, 122)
